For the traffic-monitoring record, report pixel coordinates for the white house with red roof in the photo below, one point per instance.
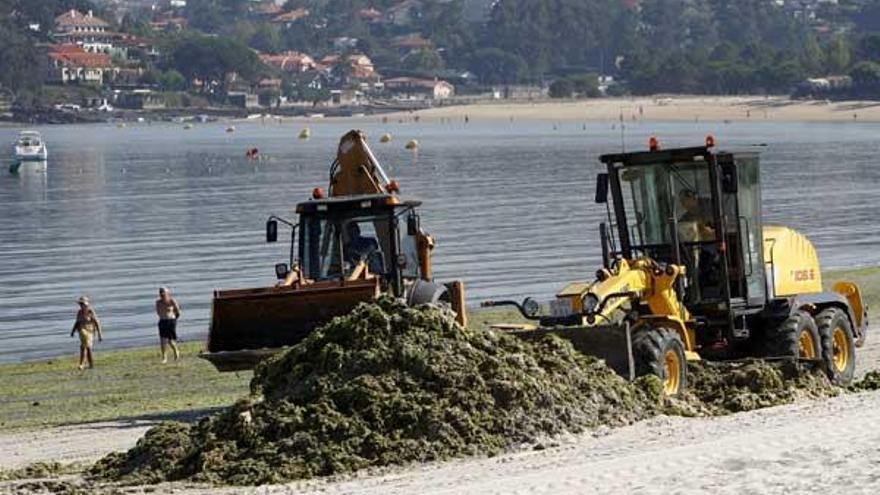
(71, 64)
(413, 87)
(86, 30)
(289, 61)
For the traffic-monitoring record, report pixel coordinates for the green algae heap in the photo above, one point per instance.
(719, 388)
(386, 385)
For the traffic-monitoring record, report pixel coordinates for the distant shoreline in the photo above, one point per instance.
(680, 108)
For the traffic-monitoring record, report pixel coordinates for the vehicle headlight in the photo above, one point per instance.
(591, 302)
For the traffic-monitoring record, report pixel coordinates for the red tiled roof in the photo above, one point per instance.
(370, 14)
(76, 18)
(72, 58)
(266, 8)
(293, 15)
(289, 61)
(412, 41)
(66, 48)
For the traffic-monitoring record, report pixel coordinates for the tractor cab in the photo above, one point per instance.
(353, 237)
(691, 207)
(690, 272)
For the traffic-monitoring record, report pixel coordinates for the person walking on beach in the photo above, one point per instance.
(87, 325)
(168, 311)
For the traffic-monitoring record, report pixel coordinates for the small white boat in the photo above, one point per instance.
(30, 147)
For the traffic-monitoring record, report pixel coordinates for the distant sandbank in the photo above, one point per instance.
(662, 108)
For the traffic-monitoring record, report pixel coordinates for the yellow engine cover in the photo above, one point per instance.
(791, 261)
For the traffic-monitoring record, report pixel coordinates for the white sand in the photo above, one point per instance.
(678, 108)
(828, 446)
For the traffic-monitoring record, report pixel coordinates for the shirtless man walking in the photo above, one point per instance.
(168, 311)
(87, 325)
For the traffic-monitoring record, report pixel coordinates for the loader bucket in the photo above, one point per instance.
(247, 325)
(608, 343)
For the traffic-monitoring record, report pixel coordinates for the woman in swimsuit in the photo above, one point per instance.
(87, 325)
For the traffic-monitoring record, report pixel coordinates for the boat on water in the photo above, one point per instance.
(30, 147)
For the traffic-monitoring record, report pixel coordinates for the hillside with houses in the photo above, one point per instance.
(300, 56)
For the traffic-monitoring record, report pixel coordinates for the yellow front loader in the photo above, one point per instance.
(691, 272)
(358, 240)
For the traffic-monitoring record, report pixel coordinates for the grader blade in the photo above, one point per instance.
(613, 344)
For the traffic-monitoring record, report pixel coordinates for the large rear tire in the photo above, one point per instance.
(838, 345)
(660, 352)
(797, 337)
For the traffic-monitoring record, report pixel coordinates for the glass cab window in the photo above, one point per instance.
(408, 258)
(665, 203)
(334, 248)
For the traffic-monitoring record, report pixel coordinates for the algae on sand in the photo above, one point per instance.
(387, 384)
(718, 388)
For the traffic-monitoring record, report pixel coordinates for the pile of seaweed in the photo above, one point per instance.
(718, 388)
(388, 384)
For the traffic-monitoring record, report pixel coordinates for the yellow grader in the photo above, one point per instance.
(349, 245)
(690, 272)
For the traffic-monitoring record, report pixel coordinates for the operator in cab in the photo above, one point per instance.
(357, 248)
(696, 224)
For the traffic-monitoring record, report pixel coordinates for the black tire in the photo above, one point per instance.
(838, 345)
(652, 348)
(786, 340)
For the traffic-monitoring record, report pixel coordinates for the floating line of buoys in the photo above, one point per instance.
(305, 133)
(386, 138)
(412, 144)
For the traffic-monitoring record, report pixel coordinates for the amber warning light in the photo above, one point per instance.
(317, 193)
(710, 141)
(653, 144)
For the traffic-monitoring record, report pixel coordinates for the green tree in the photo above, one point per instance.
(18, 72)
(172, 80)
(424, 60)
(267, 38)
(812, 56)
(838, 55)
(866, 74)
(210, 59)
(561, 88)
(495, 66)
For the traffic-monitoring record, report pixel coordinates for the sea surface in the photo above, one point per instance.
(120, 211)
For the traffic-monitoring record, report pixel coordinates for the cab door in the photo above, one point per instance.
(741, 211)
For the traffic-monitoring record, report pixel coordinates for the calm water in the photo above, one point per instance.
(121, 211)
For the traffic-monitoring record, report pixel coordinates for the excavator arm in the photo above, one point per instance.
(356, 170)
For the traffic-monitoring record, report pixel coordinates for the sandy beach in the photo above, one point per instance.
(825, 446)
(662, 108)
(820, 446)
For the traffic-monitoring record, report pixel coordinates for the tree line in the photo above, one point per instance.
(648, 46)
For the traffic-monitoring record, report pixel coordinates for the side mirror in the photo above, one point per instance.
(281, 271)
(728, 178)
(602, 188)
(413, 225)
(272, 231)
